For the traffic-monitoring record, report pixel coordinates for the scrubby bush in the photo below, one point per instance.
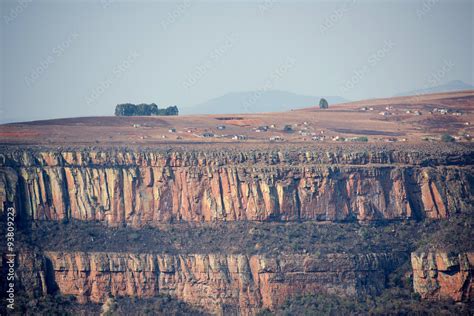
(447, 138)
(288, 128)
(393, 301)
(320, 304)
(361, 139)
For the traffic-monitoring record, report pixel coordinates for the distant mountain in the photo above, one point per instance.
(258, 101)
(455, 85)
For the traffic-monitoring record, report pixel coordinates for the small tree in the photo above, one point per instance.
(323, 103)
(288, 128)
(447, 138)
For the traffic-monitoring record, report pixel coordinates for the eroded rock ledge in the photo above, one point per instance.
(147, 188)
(244, 284)
(439, 275)
(213, 282)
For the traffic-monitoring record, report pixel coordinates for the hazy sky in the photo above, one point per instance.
(80, 58)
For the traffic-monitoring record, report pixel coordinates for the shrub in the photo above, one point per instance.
(361, 139)
(447, 138)
(288, 128)
(133, 236)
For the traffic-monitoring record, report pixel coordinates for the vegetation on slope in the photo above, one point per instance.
(238, 237)
(162, 305)
(453, 235)
(391, 302)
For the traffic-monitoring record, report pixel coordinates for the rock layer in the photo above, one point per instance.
(439, 275)
(151, 188)
(218, 283)
(138, 188)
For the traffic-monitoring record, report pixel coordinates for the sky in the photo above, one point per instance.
(81, 58)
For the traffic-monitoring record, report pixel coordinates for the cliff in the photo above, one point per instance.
(439, 275)
(186, 251)
(217, 283)
(223, 284)
(143, 187)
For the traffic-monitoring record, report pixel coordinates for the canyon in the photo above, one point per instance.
(113, 212)
(146, 189)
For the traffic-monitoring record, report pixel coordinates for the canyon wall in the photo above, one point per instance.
(139, 188)
(439, 275)
(218, 283)
(240, 284)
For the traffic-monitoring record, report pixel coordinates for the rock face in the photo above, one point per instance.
(217, 283)
(438, 275)
(30, 274)
(138, 188)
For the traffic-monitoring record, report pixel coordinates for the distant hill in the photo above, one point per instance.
(258, 101)
(451, 86)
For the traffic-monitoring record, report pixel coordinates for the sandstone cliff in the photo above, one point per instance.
(214, 282)
(237, 284)
(138, 188)
(439, 275)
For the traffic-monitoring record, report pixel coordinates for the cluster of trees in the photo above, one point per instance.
(129, 109)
